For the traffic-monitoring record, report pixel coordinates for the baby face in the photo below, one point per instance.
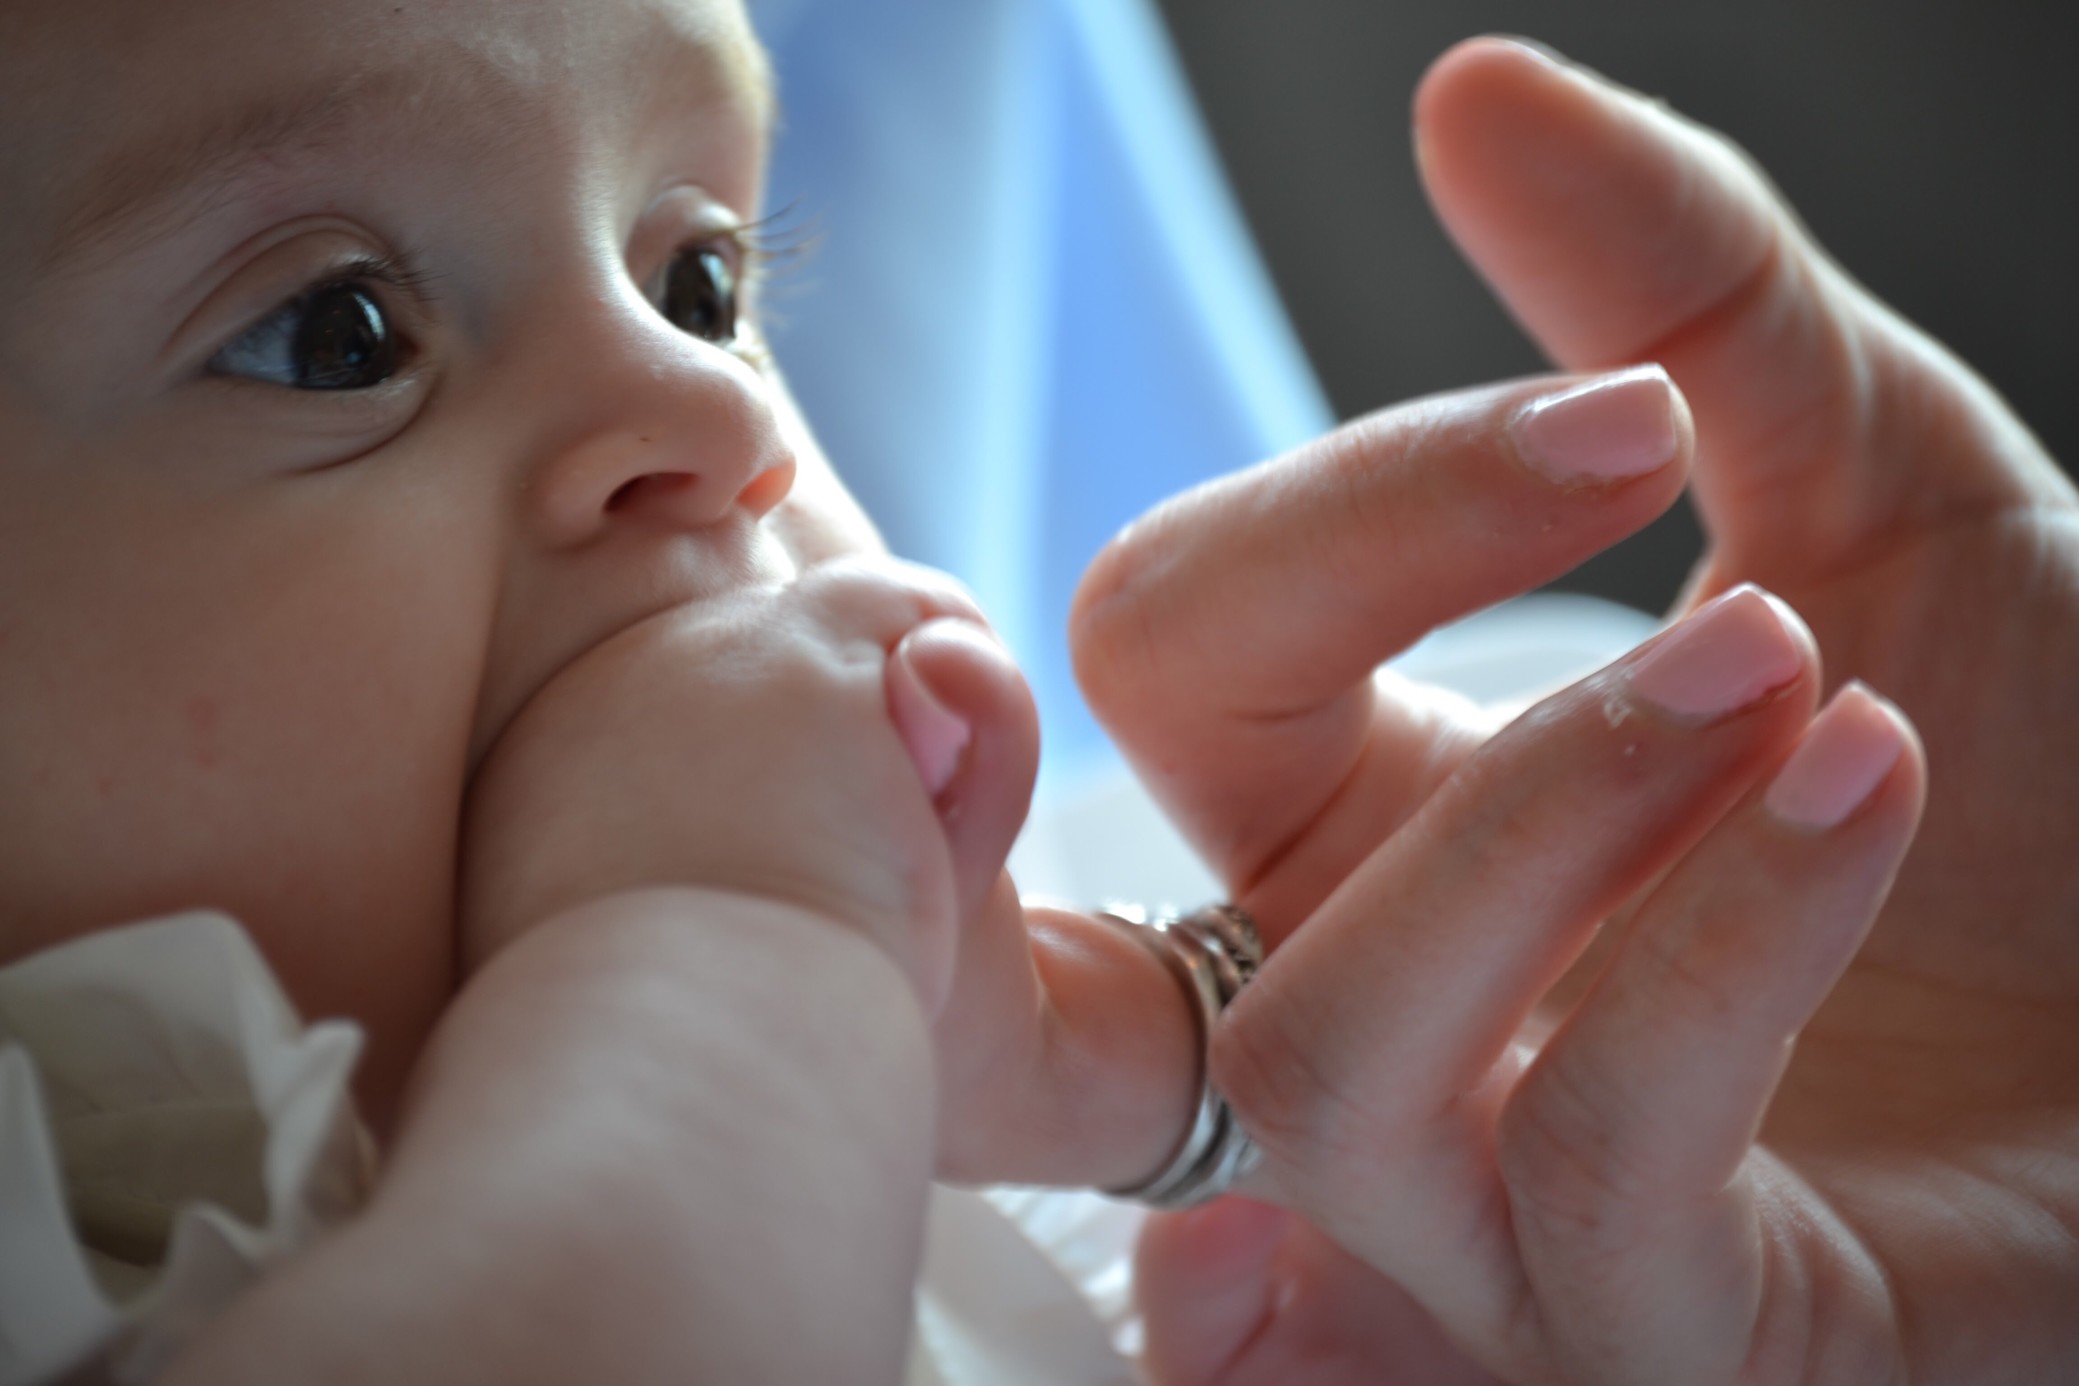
(362, 364)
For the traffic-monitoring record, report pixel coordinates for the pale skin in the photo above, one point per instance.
(1781, 1123)
(556, 611)
(566, 618)
(223, 596)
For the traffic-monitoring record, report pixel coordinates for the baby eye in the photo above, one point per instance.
(335, 337)
(700, 294)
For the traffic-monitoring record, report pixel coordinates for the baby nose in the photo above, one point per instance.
(679, 436)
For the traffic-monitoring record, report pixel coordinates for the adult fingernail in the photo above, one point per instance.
(1731, 654)
(1609, 429)
(933, 733)
(1846, 753)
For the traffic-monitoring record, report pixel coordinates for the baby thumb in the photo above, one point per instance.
(935, 735)
(963, 710)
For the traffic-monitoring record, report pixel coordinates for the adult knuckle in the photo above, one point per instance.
(854, 591)
(1693, 980)
(1293, 1107)
(1563, 1163)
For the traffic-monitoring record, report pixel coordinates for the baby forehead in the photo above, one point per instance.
(117, 103)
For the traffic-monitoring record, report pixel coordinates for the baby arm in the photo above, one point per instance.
(672, 1134)
(680, 1120)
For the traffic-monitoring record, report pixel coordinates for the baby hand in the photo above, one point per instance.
(785, 743)
(856, 744)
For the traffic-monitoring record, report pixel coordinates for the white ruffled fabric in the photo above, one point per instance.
(169, 1129)
(1023, 1288)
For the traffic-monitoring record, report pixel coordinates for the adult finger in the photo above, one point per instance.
(1617, 231)
(1239, 1294)
(1623, 1147)
(1206, 1283)
(1364, 1054)
(1228, 639)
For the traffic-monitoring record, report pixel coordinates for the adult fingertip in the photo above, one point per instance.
(1464, 73)
(1735, 652)
(1481, 67)
(1480, 52)
(1605, 430)
(1848, 753)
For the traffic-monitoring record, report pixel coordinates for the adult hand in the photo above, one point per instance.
(1624, 1173)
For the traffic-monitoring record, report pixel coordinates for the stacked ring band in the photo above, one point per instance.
(1213, 952)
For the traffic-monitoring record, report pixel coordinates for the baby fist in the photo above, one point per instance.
(778, 742)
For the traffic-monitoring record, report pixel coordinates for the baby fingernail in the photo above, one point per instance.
(1619, 426)
(1733, 653)
(1846, 753)
(933, 733)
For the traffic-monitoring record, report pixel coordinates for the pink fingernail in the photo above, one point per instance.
(1619, 426)
(933, 733)
(1846, 753)
(1731, 654)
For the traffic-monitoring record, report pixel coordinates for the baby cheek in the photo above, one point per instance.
(205, 742)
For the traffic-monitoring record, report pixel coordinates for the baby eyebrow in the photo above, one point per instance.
(155, 188)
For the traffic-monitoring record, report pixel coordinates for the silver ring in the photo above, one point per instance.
(1213, 952)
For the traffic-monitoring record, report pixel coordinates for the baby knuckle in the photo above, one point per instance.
(881, 598)
(936, 593)
(854, 596)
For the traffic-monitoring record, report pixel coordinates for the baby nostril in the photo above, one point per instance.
(652, 483)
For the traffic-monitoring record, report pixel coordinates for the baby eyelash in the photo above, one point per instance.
(773, 249)
(780, 240)
(393, 270)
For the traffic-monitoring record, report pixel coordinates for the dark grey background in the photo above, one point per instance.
(1933, 147)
